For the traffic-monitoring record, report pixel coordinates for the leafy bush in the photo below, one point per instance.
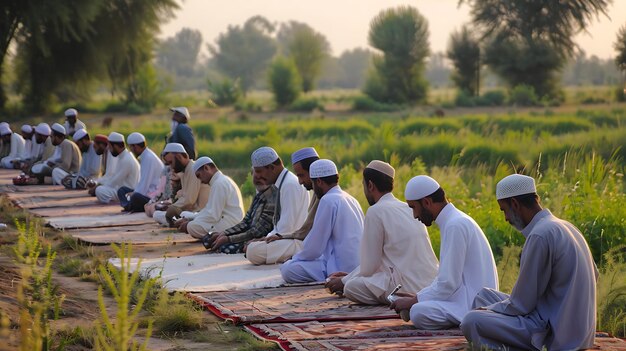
(225, 92)
(620, 94)
(366, 103)
(306, 105)
(284, 81)
(248, 105)
(523, 95)
(204, 130)
(492, 98)
(464, 99)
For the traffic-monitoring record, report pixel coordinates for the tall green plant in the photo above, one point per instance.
(464, 52)
(119, 335)
(284, 81)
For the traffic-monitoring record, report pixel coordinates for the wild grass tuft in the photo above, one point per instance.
(175, 314)
(611, 296)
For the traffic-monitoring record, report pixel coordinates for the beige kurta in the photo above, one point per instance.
(70, 157)
(194, 195)
(395, 249)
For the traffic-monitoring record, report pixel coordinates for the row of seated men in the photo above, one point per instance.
(383, 257)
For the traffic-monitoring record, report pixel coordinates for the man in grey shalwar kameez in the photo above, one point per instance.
(553, 302)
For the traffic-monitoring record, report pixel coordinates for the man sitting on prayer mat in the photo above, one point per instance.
(72, 123)
(89, 167)
(101, 147)
(66, 156)
(16, 146)
(255, 224)
(332, 245)
(466, 262)
(223, 209)
(192, 196)
(41, 149)
(126, 171)
(553, 303)
(150, 167)
(164, 192)
(395, 248)
(281, 246)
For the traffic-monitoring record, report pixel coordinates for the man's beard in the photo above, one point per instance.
(516, 221)
(114, 153)
(178, 166)
(426, 217)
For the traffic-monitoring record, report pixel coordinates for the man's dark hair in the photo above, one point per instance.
(57, 134)
(383, 182)
(306, 162)
(117, 144)
(330, 180)
(141, 144)
(438, 196)
(526, 200)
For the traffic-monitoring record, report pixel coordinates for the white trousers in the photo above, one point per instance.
(106, 194)
(303, 271)
(6, 162)
(57, 176)
(372, 290)
(432, 315)
(41, 169)
(278, 251)
(159, 216)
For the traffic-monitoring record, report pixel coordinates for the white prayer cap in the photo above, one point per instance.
(43, 129)
(301, 154)
(515, 185)
(71, 112)
(4, 130)
(419, 187)
(174, 148)
(322, 168)
(182, 110)
(3, 124)
(201, 162)
(135, 138)
(79, 134)
(58, 128)
(263, 156)
(382, 167)
(116, 137)
(26, 128)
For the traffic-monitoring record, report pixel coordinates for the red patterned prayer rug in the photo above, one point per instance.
(287, 304)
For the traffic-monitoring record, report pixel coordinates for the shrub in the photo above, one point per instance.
(464, 99)
(284, 81)
(366, 103)
(225, 92)
(204, 131)
(306, 105)
(523, 95)
(248, 105)
(492, 98)
(620, 94)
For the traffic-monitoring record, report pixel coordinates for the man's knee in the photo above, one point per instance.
(287, 270)
(469, 322)
(196, 230)
(256, 252)
(428, 317)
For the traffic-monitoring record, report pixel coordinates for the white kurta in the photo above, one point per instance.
(333, 243)
(71, 130)
(395, 249)
(151, 168)
(466, 266)
(553, 302)
(17, 150)
(292, 204)
(126, 174)
(223, 209)
(92, 162)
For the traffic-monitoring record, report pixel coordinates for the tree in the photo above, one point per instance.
(116, 46)
(532, 27)
(307, 48)
(401, 34)
(244, 52)
(464, 52)
(179, 54)
(354, 64)
(620, 47)
(284, 81)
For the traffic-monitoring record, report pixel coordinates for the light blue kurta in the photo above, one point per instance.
(333, 243)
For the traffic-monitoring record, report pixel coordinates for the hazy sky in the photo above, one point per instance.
(345, 23)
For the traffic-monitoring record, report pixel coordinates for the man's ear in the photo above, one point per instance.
(426, 202)
(515, 205)
(370, 186)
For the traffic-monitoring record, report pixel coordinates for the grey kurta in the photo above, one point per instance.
(555, 293)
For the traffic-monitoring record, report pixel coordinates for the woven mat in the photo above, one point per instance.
(287, 304)
(71, 222)
(208, 272)
(147, 234)
(78, 210)
(407, 343)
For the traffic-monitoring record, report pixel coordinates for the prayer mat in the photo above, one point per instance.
(56, 202)
(47, 194)
(288, 304)
(208, 272)
(70, 222)
(408, 343)
(136, 235)
(79, 209)
(37, 188)
(315, 330)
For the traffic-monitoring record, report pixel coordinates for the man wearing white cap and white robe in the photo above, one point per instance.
(4, 148)
(28, 134)
(192, 196)
(150, 168)
(333, 243)
(395, 248)
(466, 261)
(41, 149)
(66, 156)
(279, 247)
(72, 123)
(90, 167)
(181, 131)
(223, 209)
(290, 209)
(553, 303)
(126, 171)
(16, 149)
